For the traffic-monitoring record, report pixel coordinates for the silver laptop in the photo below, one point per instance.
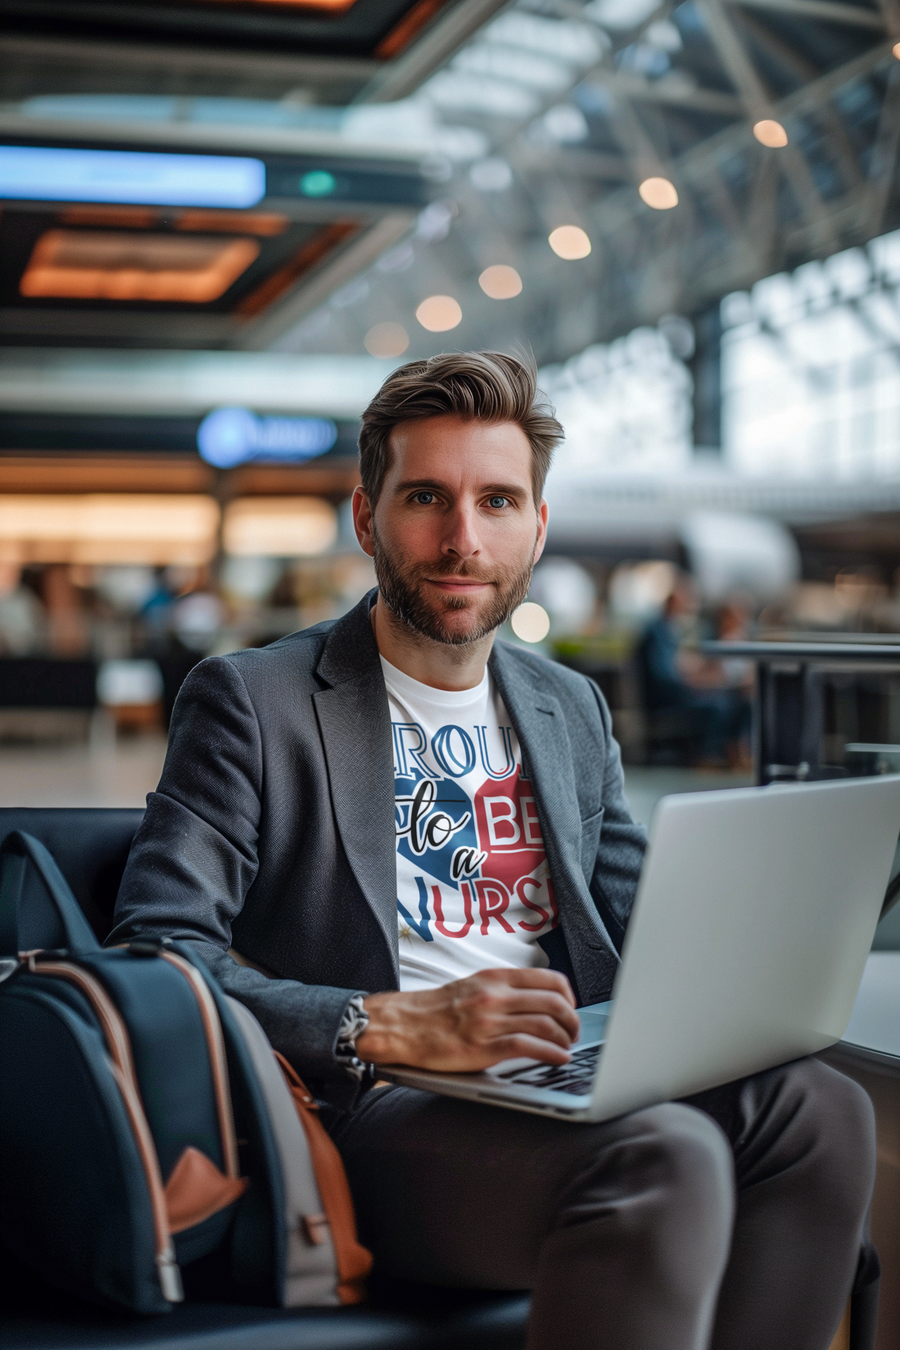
(754, 915)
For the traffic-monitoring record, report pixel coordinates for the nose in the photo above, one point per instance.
(460, 532)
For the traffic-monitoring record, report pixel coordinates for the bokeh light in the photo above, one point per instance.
(530, 622)
(659, 193)
(569, 242)
(770, 133)
(386, 339)
(500, 282)
(439, 313)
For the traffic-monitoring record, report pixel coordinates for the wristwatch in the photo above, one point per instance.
(353, 1024)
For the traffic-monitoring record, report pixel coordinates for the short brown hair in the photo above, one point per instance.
(475, 386)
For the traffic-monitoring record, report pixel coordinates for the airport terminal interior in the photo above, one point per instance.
(224, 223)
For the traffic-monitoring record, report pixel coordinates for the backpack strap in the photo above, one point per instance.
(353, 1260)
(48, 917)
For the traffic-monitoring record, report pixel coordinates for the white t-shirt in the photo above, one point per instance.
(473, 885)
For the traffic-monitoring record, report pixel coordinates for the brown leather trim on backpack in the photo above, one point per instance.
(218, 1059)
(353, 1260)
(197, 1189)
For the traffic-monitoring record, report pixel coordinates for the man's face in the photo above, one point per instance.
(456, 531)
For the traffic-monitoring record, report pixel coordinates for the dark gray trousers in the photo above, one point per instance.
(732, 1220)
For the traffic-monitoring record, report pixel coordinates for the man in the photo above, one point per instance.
(418, 842)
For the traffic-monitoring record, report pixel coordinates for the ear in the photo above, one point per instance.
(362, 521)
(542, 531)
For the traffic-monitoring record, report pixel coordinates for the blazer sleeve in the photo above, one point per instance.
(623, 841)
(195, 857)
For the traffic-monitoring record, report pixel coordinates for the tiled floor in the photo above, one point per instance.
(119, 773)
(122, 772)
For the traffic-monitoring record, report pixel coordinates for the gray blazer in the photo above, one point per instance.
(272, 830)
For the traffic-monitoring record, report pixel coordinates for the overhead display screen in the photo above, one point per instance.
(47, 174)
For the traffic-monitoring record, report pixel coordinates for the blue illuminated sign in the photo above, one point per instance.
(39, 173)
(232, 436)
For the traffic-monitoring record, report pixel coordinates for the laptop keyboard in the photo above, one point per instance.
(576, 1077)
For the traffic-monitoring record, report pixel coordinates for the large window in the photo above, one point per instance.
(811, 369)
(625, 405)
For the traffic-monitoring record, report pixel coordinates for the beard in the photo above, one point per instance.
(403, 590)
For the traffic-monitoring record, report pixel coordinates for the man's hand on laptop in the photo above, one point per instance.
(473, 1023)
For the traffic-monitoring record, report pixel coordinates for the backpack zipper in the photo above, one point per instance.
(218, 1060)
(115, 1034)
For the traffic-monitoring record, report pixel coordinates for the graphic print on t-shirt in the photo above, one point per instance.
(474, 889)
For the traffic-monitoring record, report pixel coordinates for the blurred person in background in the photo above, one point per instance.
(22, 619)
(67, 620)
(679, 680)
(734, 624)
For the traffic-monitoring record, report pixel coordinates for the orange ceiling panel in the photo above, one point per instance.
(107, 265)
(334, 6)
(229, 222)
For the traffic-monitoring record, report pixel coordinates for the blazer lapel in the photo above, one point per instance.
(540, 726)
(355, 725)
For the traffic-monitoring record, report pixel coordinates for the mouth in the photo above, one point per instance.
(458, 585)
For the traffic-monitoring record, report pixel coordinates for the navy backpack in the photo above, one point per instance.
(146, 1131)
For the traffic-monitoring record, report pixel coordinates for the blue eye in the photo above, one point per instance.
(497, 502)
(424, 498)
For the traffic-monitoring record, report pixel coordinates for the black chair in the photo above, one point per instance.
(91, 846)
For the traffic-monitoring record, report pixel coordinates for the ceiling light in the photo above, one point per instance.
(500, 282)
(569, 242)
(107, 265)
(386, 339)
(896, 50)
(530, 622)
(278, 527)
(770, 133)
(105, 528)
(439, 313)
(658, 193)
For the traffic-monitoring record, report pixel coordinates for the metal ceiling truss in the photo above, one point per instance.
(43, 58)
(823, 68)
(688, 267)
(745, 211)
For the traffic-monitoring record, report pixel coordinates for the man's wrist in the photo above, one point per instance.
(387, 1031)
